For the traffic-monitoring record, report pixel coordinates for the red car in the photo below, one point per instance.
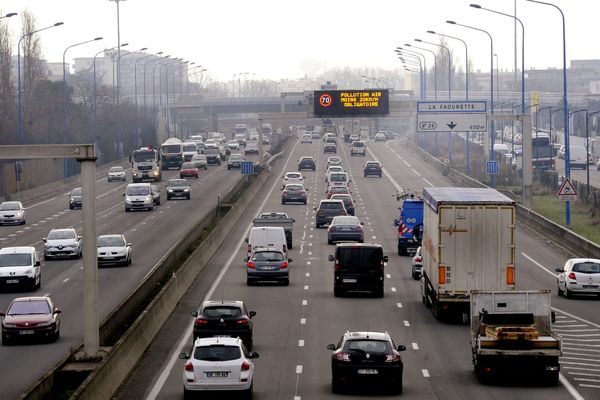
(337, 190)
(188, 170)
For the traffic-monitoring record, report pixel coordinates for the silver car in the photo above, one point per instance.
(116, 174)
(12, 212)
(199, 160)
(62, 243)
(113, 249)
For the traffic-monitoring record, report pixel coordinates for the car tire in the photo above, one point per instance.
(187, 394)
(568, 294)
(228, 168)
(304, 202)
(337, 292)
(379, 292)
(168, 198)
(158, 202)
(189, 197)
(282, 201)
(249, 282)
(329, 241)
(56, 335)
(560, 291)
(286, 282)
(336, 387)
(38, 285)
(6, 341)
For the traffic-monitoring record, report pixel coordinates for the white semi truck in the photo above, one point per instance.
(468, 244)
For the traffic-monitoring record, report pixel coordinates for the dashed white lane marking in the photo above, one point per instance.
(399, 305)
(310, 252)
(301, 343)
(298, 369)
(415, 346)
(304, 302)
(388, 276)
(406, 323)
(297, 398)
(302, 321)
(305, 287)
(415, 171)
(307, 274)
(393, 289)
(407, 164)
(425, 373)
(308, 263)
(66, 280)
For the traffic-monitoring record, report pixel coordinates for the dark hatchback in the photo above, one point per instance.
(347, 199)
(307, 163)
(224, 318)
(327, 210)
(372, 168)
(367, 359)
(293, 193)
(358, 267)
(75, 198)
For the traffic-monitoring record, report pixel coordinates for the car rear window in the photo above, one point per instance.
(359, 257)
(587, 268)
(357, 144)
(368, 346)
(222, 312)
(331, 206)
(268, 256)
(15, 260)
(217, 353)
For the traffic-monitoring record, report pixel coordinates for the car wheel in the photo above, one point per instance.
(337, 292)
(282, 202)
(560, 291)
(6, 341)
(71, 207)
(336, 387)
(189, 196)
(568, 293)
(228, 168)
(329, 241)
(39, 284)
(158, 202)
(249, 282)
(286, 282)
(168, 198)
(187, 394)
(205, 167)
(56, 335)
(304, 202)
(379, 292)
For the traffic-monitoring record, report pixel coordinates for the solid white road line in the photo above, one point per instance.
(40, 203)
(572, 391)
(537, 264)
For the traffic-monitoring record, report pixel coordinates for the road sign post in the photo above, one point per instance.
(247, 167)
(567, 191)
(492, 167)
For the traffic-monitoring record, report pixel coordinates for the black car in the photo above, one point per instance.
(327, 210)
(368, 359)
(307, 163)
(224, 318)
(372, 168)
(213, 156)
(358, 267)
(330, 148)
(293, 193)
(75, 198)
(178, 188)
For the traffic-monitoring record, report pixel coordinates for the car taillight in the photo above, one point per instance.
(392, 357)
(342, 356)
(331, 228)
(418, 259)
(572, 276)
(337, 266)
(200, 321)
(284, 192)
(189, 366)
(251, 265)
(359, 228)
(284, 265)
(245, 366)
(302, 192)
(243, 321)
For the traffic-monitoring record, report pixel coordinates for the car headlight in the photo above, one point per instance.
(155, 173)
(135, 173)
(47, 323)
(147, 200)
(7, 325)
(127, 200)
(170, 190)
(19, 214)
(187, 190)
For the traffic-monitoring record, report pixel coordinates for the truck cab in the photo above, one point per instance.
(410, 225)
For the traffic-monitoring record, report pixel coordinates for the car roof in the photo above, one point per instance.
(580, 260)
(226, 340)
(17, 250)
(331, 201)
(228, 303)
(142, 184)
(110, 235)
(358, 245)
(367, 335)
(61, 229)
(307, 158)
(270, 249)
(12, 202)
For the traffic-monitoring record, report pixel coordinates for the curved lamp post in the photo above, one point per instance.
(435, 91)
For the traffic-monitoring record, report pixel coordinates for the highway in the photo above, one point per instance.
(152, 234)
(294, 324)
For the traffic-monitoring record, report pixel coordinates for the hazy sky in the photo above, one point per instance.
(276, 39)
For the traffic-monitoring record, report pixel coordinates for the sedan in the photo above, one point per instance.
(219, 364)
(369, 359)
(233, 145)
(268, 264)
(178, 188)
(199, 161)
(372, 168)
(12, 212)
(330, 148)
(75, 198)
(293, 192)
(62, 243)
(345, 228)
(579, 276)
(293, 177)
(307, 163)
(306, 138)
(116, 174)
(30, 317)
(348, 202)
(188, 170)
(380, 137)
(113, 250)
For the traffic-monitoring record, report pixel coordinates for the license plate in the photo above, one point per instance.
(217, 374)
(590, 286)
(349, 280)
(368, 372)
(108, 258)
(26, 332)
(12, 281)
(269, 268)
(411, 249)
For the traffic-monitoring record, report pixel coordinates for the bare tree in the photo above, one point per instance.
(7, 104)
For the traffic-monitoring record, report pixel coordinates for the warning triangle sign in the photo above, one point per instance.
(567, 189)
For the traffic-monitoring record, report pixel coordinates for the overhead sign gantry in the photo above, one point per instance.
(351, 103)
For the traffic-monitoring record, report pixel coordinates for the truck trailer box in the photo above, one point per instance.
(468, 244)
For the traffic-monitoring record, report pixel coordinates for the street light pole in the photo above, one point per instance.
(587, 141)
(435, 91)
(135, 98)
(118, 109)
(20, 133)
(66, 98)
(423, 67)
(449, 64)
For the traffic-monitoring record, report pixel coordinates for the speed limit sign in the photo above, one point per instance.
(325, 100)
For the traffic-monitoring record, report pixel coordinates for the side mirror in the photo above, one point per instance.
(559, 270)
(290, 260)
(123, 194)
(331, 347)
(184, 356)
(253, 354)
(37, 263)
(385, 258)
(401, 348)
(330, 258)
(57, 311)
(194, 313)
(252, 314)
(246, 240)
(315, 208)
(78, 237)
(396, 222)
(128, 245)
(44, 240)
(246, 259)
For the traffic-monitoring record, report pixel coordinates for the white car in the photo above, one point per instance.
(380, 137)
(233, 145)
(579, 276)
(333, 169)
(306, 138)
(293, 177)
(62, 243)
(113, 249)
(358, 147)
(218, 364)
(12, 212)
(334, 160)
(251, 148)
(116, 174)
(210, 144)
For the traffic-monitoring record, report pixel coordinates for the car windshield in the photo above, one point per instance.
(235, 157)
(142, 156)
(345, 221)
(335, 169)
(294, 188)
(190, 147)
(354, 258)
(222, 312)
(331, 205)
(268, 256)
(29, 307)
(368, 346)
(338, 177)
(116, 169)
(587, 268)
(372, 164)
(15, 260)
(217, 353)
(338, 189)
(59, 235)
(110, 241)
(138, 190)
(10, 205)
(177, 182)
(171, 149)
(76, 192)
(187, 165)
(306, 159)
(334, 159)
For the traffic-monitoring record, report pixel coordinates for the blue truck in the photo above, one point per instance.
(410, 225)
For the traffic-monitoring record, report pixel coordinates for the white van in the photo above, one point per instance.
(267, 236)
(338, 179)
(20, 266)
(501, 148)
(578, 157)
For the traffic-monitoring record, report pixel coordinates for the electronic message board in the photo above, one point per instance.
(345, 103)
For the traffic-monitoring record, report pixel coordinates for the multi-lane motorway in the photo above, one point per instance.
(294, 324)
(152, 234)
